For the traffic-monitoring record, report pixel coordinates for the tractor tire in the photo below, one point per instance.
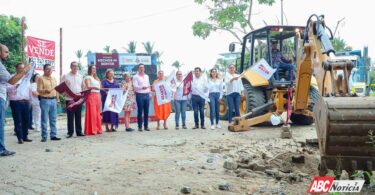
(300, 119)
(223, 113)
(255, 97)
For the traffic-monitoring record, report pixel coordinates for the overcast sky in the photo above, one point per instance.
(93, 24)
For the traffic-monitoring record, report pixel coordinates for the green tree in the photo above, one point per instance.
(79, 55)
(340, 45)
(221, 65)
(232, 16)
(114, 51)
(158, 59)
(148, 47)
(132, 45)
(177, 64)
(107, 48)
(11, 36)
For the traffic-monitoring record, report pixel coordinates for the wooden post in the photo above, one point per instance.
(23, 40)
(60, 53)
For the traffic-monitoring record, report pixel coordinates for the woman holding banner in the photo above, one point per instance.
(109, 118)
(162, 111)
(93, 123)
(130, 103)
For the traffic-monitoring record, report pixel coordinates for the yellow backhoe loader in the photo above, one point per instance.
(319, 90)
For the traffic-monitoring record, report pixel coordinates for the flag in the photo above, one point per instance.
(163, 92)
(187, 84)
(23, 90)
(263, 69)
(64, 90)
(115, 100)
(78, 101)
(172, 81)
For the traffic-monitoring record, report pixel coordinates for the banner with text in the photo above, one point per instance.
(263, 69)
(40, 52)
(163, 93)
(115, 100)
(107, 60)
(135, 59)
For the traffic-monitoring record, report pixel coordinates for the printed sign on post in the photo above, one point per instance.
(40, 52)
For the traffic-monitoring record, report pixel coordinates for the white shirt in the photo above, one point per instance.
(199, 86)
(215, 86)
(34, 88)
(74, 82)
(93, 83)
(180, 91)
(12, 92)
(141, 81)
(235, 86)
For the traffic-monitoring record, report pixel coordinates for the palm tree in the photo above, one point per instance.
(148, 47)
(132, 45)
(158, 60)
(79, 55)
(176, 64)
(107, 48)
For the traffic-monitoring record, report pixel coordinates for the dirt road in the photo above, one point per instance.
(160, 162)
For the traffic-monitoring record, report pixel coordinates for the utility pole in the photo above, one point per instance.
(282, 12)
(60, 53)
(23, 39)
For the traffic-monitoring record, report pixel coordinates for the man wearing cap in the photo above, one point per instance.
(279, 62)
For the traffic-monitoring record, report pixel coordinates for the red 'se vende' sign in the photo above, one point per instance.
(40, 48)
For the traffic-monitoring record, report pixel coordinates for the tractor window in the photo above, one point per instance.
(288, 49)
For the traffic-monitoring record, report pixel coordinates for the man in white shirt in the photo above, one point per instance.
(234, 87)
(74, 81)
(20, 104)
(141, 84)
(199, 89)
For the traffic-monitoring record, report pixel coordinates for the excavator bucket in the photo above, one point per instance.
(343, 125)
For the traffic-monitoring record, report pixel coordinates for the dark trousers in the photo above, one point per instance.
(20, 113)
(30, 124)
(198, 106)
(143, 103)
(74, 117)
(233, 101)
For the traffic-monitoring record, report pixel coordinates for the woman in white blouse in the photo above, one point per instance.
(215, 89)
(93, 122)
(35, 102)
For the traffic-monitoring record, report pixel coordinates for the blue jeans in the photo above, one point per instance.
(290, 68)
(49, 112)
(233, 101)
(198, 106)
(143, 103)
(180, 106)
(21, 114)
(2, 124)
(214, 107)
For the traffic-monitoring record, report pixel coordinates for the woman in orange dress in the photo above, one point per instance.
(162, 111)
(93, 122)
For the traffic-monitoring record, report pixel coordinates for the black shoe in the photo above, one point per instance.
(7, 153)
(27, 140)
(20, 141)
(184, 127)
(43, 140)
(147, 129)
(69, 136)
(177, 128)
(139, 128)
(55, 138)
(31, 128)
(196, 127)
(202, 127)
(129, 129)
(113, 130)
(81, 135)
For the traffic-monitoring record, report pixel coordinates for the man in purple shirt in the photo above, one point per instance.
(141, 83)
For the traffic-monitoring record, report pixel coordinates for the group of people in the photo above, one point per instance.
(43, 99)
